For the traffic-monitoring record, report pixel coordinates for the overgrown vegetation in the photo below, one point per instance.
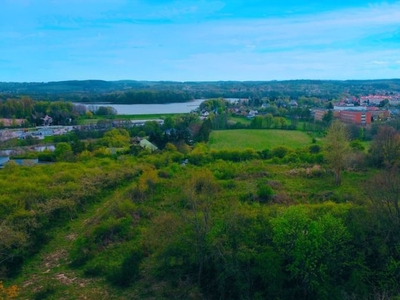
(228, 214)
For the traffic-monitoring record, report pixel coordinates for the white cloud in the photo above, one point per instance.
(333, 64)
(321, 29)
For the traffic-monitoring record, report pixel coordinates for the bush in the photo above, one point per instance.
(47, 156)
(265, 154)
(314, 149)
(280, 152)
(356, 145)
(129, 270)
(224, 170)
(265, 193)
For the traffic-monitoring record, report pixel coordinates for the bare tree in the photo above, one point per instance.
(337, 148)
(384, 192)
(385, 148)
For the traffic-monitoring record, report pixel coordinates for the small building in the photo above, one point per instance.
(252, 114)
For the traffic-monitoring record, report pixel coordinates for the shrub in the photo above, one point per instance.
(356, 145)
(47, 156)
(280, 152)
(224, 170)
(314, 149)
(265, 193)
(129, 270)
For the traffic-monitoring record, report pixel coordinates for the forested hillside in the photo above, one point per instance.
(133, 92)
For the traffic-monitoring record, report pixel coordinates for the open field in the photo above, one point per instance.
(258, 139)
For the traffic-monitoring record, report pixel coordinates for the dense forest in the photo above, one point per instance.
(321, 221)
(133, 92)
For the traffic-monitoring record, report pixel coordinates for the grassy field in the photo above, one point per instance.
(258, 139)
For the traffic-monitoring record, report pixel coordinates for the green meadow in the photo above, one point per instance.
(258, 139)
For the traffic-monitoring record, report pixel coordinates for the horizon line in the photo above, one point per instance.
(200, 81)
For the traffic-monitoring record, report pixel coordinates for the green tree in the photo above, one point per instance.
(269, 120)
(328, 117)
(257, 122)
(62, 151)
(204, 132)
(315, 252)
(337, 148)
(117, 137)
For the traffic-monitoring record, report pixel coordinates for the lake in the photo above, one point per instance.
(148, 109)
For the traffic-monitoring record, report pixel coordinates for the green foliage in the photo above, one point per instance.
(356, 145)
(45, 293)
(105, 111)
(117, 137)
(328, 117)
(224, 170)
(314, 149)
(129, 271)
(45, 197)
(279, 152)
(337, 148)
(229, 224)
(265, 193)
(62, 150)
(61, 112)
(316, 252)
(47, 156)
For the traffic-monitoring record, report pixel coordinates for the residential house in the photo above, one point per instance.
(252, 114)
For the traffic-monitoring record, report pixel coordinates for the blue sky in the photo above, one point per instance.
(198, 40)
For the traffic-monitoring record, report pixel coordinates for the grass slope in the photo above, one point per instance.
(257, 139)
(48, 274)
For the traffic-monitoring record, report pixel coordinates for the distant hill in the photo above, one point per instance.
(122, 91)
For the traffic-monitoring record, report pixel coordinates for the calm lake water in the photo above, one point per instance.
(145, 109)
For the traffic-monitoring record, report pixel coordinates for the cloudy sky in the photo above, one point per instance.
(201, 40)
